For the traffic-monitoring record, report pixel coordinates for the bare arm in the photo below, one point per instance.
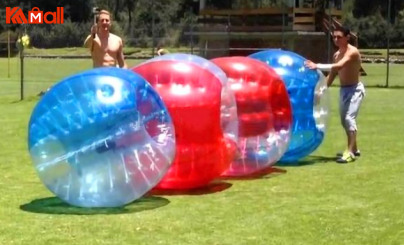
(349, 56)
(120, 56)
(331, 77)
(88, 41)
(333, 71)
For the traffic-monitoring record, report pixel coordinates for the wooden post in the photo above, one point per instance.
(202, 4)
(329, 40)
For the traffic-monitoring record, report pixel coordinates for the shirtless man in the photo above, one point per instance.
(347, 64)
(161, 51)
(106, 48)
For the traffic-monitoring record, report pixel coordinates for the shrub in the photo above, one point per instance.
(374, 30)
(4, 43)
(70, 34)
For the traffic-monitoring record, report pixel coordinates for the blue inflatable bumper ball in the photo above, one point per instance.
(309, 97)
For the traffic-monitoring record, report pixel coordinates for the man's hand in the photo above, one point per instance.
(310, 64)
(94, 30)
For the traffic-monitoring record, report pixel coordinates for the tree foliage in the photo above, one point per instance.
(133, 20)
(369, 19)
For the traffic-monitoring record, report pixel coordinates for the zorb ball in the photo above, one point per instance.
(228, 107)
(264, 114)
(205, 118)
(101, 138)
(309, 97)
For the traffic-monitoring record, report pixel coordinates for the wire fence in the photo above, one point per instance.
(43, 69)
(41, 73)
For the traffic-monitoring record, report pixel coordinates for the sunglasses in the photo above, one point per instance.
(338, 37)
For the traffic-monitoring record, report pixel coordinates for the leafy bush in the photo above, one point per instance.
(374, 30)
(70, 34)
(56, 36)
(4, 43)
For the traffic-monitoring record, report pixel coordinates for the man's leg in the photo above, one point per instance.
(350, 100)
(351, 115)
(352, 146)
(348, 116)
(345, 97)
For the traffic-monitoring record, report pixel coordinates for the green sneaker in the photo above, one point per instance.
(347, 157)
(356, 153)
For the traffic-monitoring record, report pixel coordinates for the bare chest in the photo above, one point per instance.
(353, 63)
(338, 57)
(107, 45)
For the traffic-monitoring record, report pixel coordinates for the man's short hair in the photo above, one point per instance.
(103, 11)
(343, 29)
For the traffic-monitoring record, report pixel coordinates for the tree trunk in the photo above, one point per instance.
(117, 9)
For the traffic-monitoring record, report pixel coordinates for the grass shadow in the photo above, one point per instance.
(384, 87)
(27, 98)
(378, 86)
(16, 101)
(307, 161)
(54, 205)
(209, 189)
(266, 173)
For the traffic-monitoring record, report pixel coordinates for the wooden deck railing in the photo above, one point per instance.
(263, 19)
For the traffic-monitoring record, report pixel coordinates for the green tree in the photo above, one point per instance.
(363, 8)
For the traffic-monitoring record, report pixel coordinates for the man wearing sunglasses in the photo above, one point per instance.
(347, 65)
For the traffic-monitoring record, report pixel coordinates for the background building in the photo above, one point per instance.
(242, 27)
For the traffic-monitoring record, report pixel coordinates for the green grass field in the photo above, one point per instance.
(40, 73)
(318, 202)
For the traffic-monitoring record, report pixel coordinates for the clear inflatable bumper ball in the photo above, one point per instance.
(101, 138)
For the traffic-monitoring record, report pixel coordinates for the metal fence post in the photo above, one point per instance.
(21, 72)
(191, 26)
(153, 34)
(8, 53)
(388, 44)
